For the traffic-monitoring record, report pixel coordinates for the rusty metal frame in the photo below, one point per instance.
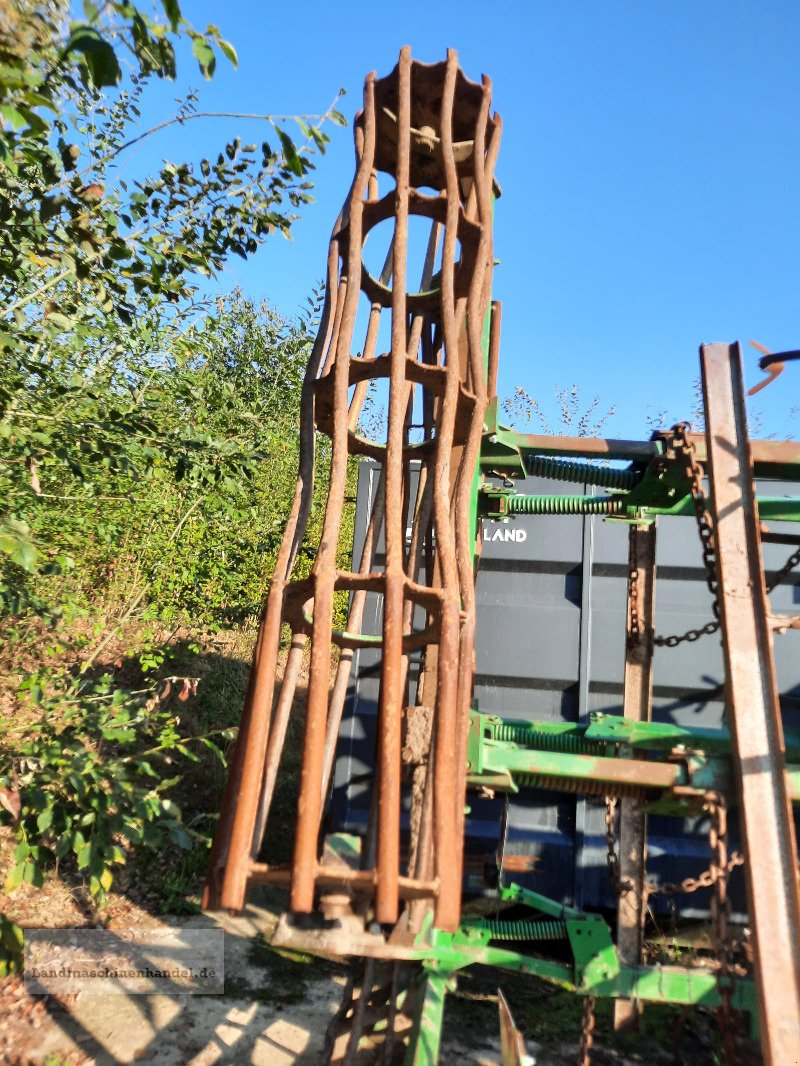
(753, 708)
(423, 125)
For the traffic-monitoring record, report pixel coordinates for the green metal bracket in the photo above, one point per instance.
(655, 736)
(500, 452)
(595, 970)
(498, 749)
(664, 736)
(494, 502)
(670, 766)
(662, 488)
(429, 990)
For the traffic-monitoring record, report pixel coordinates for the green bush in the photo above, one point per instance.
(179, 495)
(148, 431)
(87, 776)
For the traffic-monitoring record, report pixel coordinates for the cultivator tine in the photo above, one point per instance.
(423, 126)
(512, 1042)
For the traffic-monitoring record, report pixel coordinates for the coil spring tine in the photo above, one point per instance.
(583, 787)
(562, 470)
(524, 929)
(566, 504)
(530, 737)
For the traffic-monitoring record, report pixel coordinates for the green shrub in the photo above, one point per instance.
(90, 772)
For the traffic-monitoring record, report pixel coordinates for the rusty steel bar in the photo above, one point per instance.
(373, 324)
(447, 680)
(362, 881)
(753, 708)
(494, 348)
(588, 447)
(355, 616)
(636, 705)
(309, 803)
(354, 620)
(483, 157)
(226, 883)
(277, 733)
(769, 456)
(390, 698)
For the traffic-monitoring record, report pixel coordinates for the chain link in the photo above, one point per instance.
(691, 635)
(721, 864)
(720, 915)
(716, 877)
(588, 1023)
(634, 623)
(780, 576)
(707, 879)
(612, 859)
(685, 447)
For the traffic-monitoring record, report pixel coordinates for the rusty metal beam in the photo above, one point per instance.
(753, 708)
(771, 458)
(637, 705)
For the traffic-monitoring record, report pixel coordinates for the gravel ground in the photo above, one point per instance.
(275, 1012)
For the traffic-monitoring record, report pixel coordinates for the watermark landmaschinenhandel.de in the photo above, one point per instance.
(168, 960)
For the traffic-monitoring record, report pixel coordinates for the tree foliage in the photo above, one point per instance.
(97, 764)
(99, 275)
(164, 464)
(575, 417)
(148, 429)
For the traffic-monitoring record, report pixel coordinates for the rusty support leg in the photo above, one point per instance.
(637, 705)
(753, 708)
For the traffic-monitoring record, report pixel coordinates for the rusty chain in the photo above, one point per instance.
(684, 446)
(780, 576)
(587, 1032)
(715, 877)
(634, 622)
(720, 914)
(694, 473)
(707, 879)
(721, 864)
(691, 635)
(612, 859)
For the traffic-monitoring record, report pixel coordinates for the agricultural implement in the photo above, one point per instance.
(426, 145)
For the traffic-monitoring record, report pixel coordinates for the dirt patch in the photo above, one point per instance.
(260, 1018)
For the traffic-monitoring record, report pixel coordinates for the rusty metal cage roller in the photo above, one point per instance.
(425, 126)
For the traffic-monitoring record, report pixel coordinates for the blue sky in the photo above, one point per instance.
(650, 168)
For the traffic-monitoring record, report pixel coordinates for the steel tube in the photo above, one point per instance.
(277, 733)
(391, 685)
(447, 910)
(466, 486)
(309, 804)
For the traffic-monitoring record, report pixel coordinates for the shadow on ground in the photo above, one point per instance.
(273, 1012)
